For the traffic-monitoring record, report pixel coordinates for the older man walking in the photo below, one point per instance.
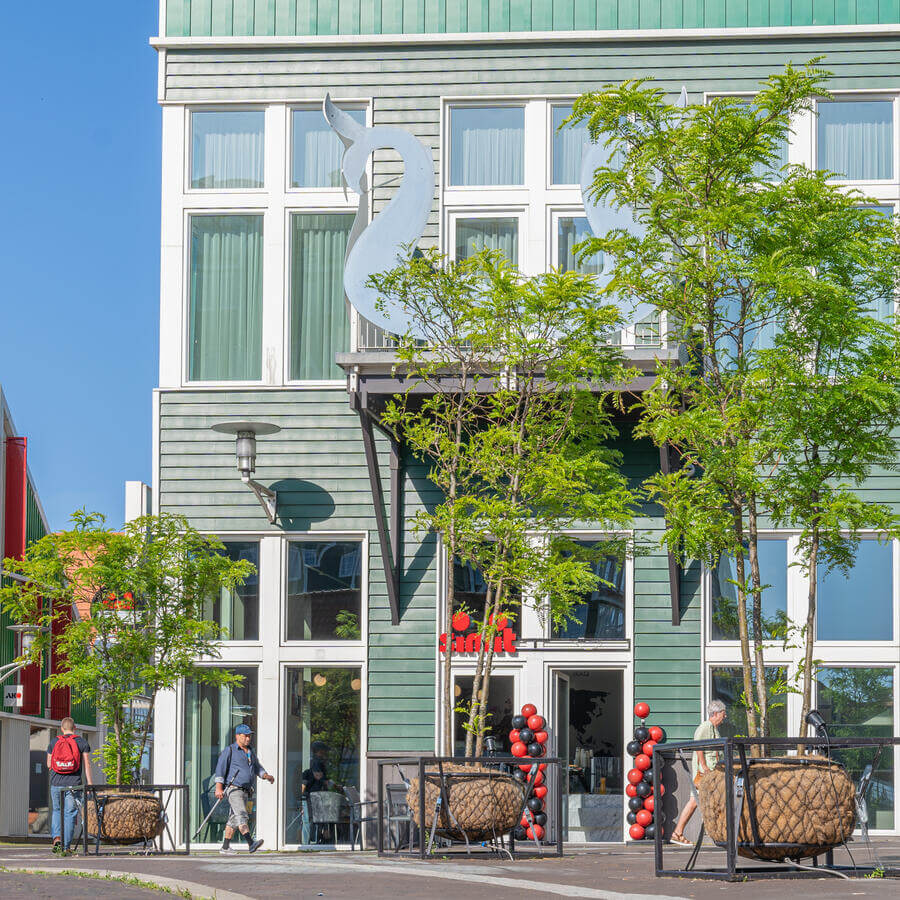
(702, 761)
(236, 773)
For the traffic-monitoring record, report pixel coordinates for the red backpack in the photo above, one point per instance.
(66, 757)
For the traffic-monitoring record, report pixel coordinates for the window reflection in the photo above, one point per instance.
(601, 613)
(500, 709)
(324, 590)
(572, 230)
(237, 610)
(727, 685)
(469, 593)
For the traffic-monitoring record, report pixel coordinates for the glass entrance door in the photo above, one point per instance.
(562, 743)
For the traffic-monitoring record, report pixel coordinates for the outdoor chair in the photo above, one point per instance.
(324, 814)
(400, 814)
(358, 816)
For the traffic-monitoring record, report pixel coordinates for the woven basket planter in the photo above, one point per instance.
(485, 803)
(127, 818)
(805, 806)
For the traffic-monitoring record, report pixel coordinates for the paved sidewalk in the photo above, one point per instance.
(610, 873)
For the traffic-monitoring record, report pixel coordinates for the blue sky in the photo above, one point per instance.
(79, 246)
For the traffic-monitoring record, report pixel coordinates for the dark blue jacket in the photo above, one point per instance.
(234, 767)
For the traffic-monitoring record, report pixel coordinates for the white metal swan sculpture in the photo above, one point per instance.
(603, 218)
(379, 245)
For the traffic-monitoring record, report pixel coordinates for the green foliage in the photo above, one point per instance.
(516, 428)
(146, 586)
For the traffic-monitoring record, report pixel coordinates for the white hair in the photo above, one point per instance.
(713, 707)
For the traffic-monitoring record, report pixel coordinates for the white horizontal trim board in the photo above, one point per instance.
(493, 37)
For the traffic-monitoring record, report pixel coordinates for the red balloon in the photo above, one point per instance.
(648, 747)
(642, 762)
(513, 735)
(630, 790)
(643, 817)
(656, 733)
(542, 766)
(538, 778)
(461, 621)
(535, 723)
(536, 831)
(636, 832)
(525, 823)
(540, 792)
(642, 710)
(635, 775)
(524, 767)
(501, 621)
(528, 710)
(541, 737)
(519, 749)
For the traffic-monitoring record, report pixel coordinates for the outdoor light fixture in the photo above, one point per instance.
(245, 451)
(29, 636)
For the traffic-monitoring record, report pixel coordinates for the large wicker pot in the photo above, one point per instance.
(485, 803)
(126, 818)
(804, 807)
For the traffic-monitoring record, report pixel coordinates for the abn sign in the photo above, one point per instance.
(13, 695)
(504, 640)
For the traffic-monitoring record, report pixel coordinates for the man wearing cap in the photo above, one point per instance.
(236, 773)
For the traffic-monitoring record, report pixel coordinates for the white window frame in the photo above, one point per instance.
(189, 147)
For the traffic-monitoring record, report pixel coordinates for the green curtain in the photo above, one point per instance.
(474, 235)
(226, 298)
(320, 326)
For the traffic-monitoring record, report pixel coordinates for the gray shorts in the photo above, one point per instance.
(237, 800)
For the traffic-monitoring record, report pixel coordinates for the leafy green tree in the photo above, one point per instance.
(146, 586)
(513, 435)
(754, 270)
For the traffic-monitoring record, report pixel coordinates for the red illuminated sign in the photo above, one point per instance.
(504, 641)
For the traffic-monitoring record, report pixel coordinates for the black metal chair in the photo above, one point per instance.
(399, 813)
(358, 816)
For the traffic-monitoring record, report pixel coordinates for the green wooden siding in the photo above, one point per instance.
(227, 18)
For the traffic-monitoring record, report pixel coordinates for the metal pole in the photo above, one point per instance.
(380, 808)
(558, 804)
(730, 830)
(422, 809)
(186, 797)
(657, 811)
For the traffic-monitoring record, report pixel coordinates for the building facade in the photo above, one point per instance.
(25, 730)
(255, 327)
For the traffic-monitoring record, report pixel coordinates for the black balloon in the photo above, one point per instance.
(634, 747)
(641, 733)
(631, 818)
(650, 831)
(642, 789)
(540, 818)
(535, 749)
(535, 804)
(636, 803)
(519, 722)
(520, 833)
(526, 735)
(648, 776)
(519, 775)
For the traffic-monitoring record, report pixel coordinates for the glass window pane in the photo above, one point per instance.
(572, 230)
(870, 578)
(772, 571)
(321, 752)
(324, 590)
(237, 611)
(320, 326)
(601, 614)
(210, 716)
(500, 709)
(856, 139)
(39, 781)
(317, 150)
(469, 593)
(475, 235)
(884, 308)
(226, 298)
(568, 147)
(727, 685)
(487, 145)
(859, 702)
(227, 149)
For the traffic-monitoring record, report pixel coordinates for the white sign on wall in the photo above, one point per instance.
(13, 695)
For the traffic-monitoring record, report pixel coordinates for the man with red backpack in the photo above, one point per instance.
(68, 756)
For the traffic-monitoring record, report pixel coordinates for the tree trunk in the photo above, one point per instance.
(762, 693)
(743, 631)
(488, 665)
(812, 571)
(473, 725)
(448, 655)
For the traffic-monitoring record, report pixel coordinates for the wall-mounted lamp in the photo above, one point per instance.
(245, 451)
(29, 635)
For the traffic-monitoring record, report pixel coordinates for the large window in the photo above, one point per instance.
(859, 703)
(856, 139)
(225, 328)
(870, 581)
(727, 685)
(500, 709)
(320, 326)
(227, 149)
(322, 752)
(773, 570)
(567, 147)
(324, 601)
(601, 614)
(487, 145)
(571, 231)
(469, 594)
(210, 716)
(237, 609)
(316, 149)
(477, 234)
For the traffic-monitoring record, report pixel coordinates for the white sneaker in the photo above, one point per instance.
(226, 851)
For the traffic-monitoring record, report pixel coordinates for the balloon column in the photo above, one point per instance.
(640, 779)
(529, 739)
